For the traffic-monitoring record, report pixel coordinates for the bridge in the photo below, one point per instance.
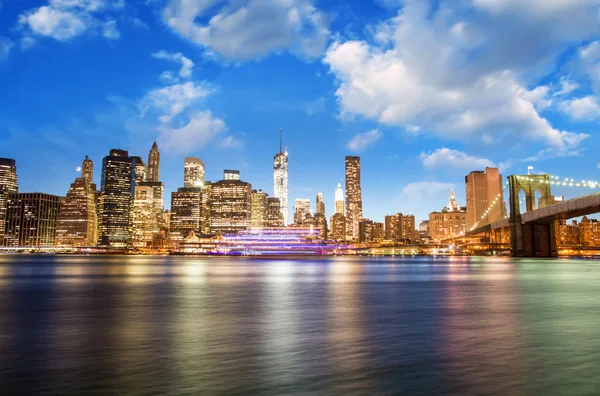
(532, 233)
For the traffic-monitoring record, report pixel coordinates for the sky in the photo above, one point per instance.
(423, 91)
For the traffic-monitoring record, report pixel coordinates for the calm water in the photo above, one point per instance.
(340, 326)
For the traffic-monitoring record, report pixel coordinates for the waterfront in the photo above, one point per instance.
(310, 326)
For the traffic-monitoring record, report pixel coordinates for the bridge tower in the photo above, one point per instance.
(530, 240)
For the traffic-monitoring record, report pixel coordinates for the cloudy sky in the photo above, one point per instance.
(424, 91)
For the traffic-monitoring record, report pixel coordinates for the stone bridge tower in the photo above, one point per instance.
(530, 240)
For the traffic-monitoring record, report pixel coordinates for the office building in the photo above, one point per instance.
(8, 185)
(158, 205)
(320, 224)
(337, 227)
(230, 206)
(143, 217)
(482, 187)
(229, 174)
(301, 210)
(193, 175)
(154, 164)
(274, 215)
(353, 196)
(116, 199)
(339, 199)
(320, 205)
(77, 220)
(141, 170)
(449, 223)
(377, 231)
(365, 231)
(280, 178)
(400, 228)
(186, 212)
(259, 203)
(205, 212)
(31, 220)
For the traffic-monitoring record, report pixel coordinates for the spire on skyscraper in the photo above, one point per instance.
(154, 163)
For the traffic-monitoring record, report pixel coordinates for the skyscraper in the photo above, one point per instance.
(8, 185)
(230, 206)
(320, 205)
(280, 178)
(353, 196)
(337, 227)
(274, 215)
(141, 170)
(339, 199)
(186, 212)
(365, 230)
(118, 183)
(143, 220)
(193, 175)
(482, 187)
(154, 164)
(31, 219)
(400, 227)
(448, 223)
(77, 221)
(259, 203)
(301, 210)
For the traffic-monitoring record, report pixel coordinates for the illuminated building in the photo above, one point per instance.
(77, 221)
(186, 212)
(154, 164)
(280, 178)
(31, 220)
(274, 215)
(450, 222)
(320, 224)
(339, 199)
(424, 226)
(377, 231)
(229, 174)
(353, 196)
(193, 173)
(584, 234)
(230, 206)
(158, 202)
(365, 231)
(143, 217)
(141, 170)
(400, 227)
(205, 213)
(8, 185)
(259, 202)
(301, 210)
(320, 205)
(116, 199)
(482, 187)
(337, 227)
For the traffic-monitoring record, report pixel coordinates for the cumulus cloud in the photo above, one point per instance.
(171, 100)
(580, 109)
(363, 140)
(187, 65)
(254, 28)
(448, 158)
(201, 129)
(462, 82)
(64, 20)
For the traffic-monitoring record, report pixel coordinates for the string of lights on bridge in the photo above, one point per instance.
(555, 180)
(487, 211)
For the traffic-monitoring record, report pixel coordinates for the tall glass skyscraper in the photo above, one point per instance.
(353, 196)
(118, 181)
(193, 175)
(280, 178)
(154, 164)
(8, 185)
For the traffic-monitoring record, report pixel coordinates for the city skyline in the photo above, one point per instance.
(419, 126)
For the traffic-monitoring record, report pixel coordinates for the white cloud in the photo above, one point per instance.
(589, 62)
(363, 140)
(231, 142)
(64, 20)
(187, 65)
(459, 89)
(586, 108)
(5, 46)
(253, 28)
(566, 87)
(110, 30)
(171, 100)
(201, 129)
(448, 158)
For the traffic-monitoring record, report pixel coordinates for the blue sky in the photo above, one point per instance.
(424, 91)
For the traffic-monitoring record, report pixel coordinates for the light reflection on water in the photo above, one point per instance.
(343, 326)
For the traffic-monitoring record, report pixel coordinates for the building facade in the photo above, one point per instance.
(258, 210)
(400, 228)
(230, 206)
(320, 224)
(193, 175)
(274, 215)
(31, 220)
(339, 199)
(337, 227)
(77, 221)
(482, 187)
(8, 185)
(365, 233)
(353, 196)
(141, 170)
(301, 210)
(280, 182)
(143, 217)
(118, 172)
(154, 163)
(320, 205)
(449, 223)
(186, 212)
